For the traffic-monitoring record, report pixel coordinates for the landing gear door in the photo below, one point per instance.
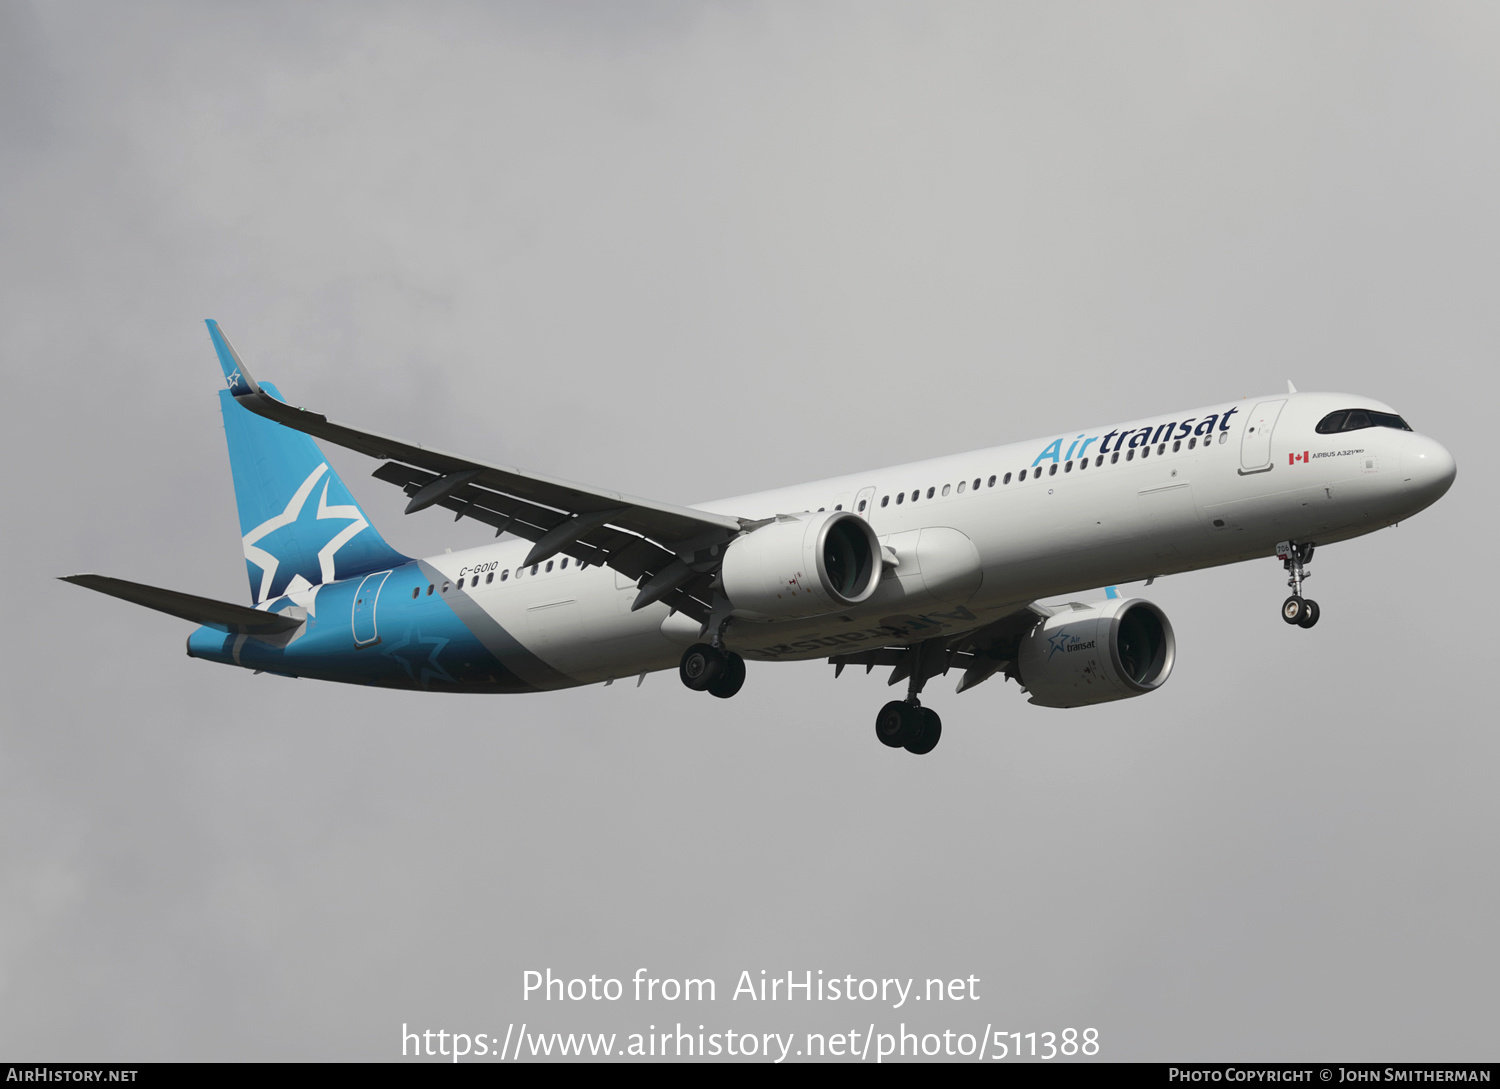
(1255, 447)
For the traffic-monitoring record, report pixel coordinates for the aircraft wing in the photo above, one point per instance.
(980, 653)
(673, 549)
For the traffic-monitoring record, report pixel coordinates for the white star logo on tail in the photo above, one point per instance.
(268, 563)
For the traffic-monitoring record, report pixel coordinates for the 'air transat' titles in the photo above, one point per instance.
(1138, 436)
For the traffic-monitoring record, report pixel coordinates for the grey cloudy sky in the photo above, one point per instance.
(689, 251)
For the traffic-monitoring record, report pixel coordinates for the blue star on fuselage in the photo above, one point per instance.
(1058, 641)
(423, 668)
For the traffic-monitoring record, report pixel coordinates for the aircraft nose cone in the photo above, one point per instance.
(1427, 467)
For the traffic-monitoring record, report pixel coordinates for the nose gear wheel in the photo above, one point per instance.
(1294, 557)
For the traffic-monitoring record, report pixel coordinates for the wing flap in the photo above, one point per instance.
(504, 512)
(980, 653)
(634, 556)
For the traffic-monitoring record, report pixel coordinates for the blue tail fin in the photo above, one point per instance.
(300, 525)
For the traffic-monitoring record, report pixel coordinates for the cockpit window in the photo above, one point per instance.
(1355, 419)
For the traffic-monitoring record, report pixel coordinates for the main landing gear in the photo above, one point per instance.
(712, 669)
(1299, 610)
(906, 724)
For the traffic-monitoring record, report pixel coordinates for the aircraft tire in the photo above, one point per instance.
(1311, 613)
(1293, 609)
(731, 680)
(701, 666)
(896, 724)
(930, 733)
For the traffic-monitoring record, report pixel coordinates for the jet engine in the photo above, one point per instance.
(1097, 653)
(802, 565)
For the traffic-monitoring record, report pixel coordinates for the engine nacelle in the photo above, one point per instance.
(802, 565)
(1104, 652)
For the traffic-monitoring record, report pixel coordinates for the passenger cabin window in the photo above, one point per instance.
(489, 578)
(415, 592)
(861, 505)
(947, 488)
(1023, 475)
(1007, 478)
(992, 482)
(900, 498)
(885, 500)
(1052, 469)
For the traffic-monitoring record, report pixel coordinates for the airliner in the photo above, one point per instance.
(924, 568)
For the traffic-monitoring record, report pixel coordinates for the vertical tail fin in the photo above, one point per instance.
(300, 526)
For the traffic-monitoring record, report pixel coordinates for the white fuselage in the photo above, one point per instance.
(968, 541)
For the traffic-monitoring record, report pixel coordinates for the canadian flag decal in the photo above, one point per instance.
(1292, 459)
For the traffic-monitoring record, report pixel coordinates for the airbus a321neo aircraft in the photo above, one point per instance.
(924, 568)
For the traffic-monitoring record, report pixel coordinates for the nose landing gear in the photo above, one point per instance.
(1298, 610)
(1302, 611)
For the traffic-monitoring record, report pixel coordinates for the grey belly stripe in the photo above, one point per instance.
(495, 639)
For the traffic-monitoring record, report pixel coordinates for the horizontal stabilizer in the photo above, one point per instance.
(234, 619)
